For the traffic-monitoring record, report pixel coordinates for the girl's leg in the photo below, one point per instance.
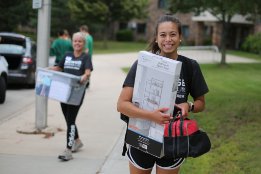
(168, 165)
(76, 110)
(167, 171)
(70, 114)
(135, 170)
(64, 110)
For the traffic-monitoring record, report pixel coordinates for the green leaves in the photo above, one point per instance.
(15, 13)
(106, 10)
(217, 7)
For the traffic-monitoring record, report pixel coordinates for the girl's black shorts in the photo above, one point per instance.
(145, 161)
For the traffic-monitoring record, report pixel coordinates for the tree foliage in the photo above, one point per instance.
(105, 12)
(70, 14)
(61, 17)
(15, 13)
(185, 6)
(223, 10)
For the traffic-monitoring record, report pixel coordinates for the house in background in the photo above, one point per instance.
(204, 29)
(208, 27)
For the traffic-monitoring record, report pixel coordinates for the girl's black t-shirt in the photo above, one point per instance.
(76, 66)
(195, 86)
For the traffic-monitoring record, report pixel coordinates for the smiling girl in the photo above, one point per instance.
(165, 42)
(76, 63)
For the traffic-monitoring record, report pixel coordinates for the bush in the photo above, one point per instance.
(253, 43)
(124, 35)
(207, 41)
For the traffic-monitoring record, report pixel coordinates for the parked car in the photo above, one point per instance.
(20, 53)
(3, 78)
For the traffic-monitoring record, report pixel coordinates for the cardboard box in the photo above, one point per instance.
(59, 86)
(156, 85)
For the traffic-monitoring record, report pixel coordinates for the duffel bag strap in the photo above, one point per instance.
(181, 124)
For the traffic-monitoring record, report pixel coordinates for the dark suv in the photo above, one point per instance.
(20, 53)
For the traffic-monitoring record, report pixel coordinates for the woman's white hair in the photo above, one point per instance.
(79, 34)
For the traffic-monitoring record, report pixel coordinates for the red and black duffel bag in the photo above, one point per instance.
(183, 138)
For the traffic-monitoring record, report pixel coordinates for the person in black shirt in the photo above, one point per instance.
(165, 42)
(76, 63)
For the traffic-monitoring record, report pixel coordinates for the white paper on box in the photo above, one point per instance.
(60, 91)
(156, 85)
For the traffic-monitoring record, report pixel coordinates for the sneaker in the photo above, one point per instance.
(66, 155)
(77, 145)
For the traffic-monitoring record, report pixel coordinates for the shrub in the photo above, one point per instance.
(253, 43)
(124, 35)
(207, 41)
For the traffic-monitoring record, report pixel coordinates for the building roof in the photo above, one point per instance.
(206, 16)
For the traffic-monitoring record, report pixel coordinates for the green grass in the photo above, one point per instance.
(244, 54)
(232, 119)
(118, 47)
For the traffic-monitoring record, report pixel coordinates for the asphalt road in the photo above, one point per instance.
(18, 99)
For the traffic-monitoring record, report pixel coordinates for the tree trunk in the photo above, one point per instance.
(223, 42)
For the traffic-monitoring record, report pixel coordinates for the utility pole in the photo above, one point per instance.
(43, 35)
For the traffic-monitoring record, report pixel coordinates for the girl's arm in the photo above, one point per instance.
(85, 76)
(199, 105)
(55, 68)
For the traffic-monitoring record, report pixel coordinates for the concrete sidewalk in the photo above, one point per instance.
(98, 122)
(100, 128)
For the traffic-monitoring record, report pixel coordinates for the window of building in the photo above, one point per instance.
(162, 4)
(123, 25)
(208, 30)
(185, 31)
(141, 28)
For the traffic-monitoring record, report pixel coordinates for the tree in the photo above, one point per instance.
(106, 12)
(15, 13)
(61, 18)
(223, 10)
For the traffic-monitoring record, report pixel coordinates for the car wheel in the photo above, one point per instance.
(2, 90)
(31, 80)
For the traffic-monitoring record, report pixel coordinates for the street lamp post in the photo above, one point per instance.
(43, 35)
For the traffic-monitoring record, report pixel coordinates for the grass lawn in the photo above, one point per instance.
(244, 54)
(232, 119)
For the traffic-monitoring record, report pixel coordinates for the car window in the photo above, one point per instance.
(12, 41)
(11, 49)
